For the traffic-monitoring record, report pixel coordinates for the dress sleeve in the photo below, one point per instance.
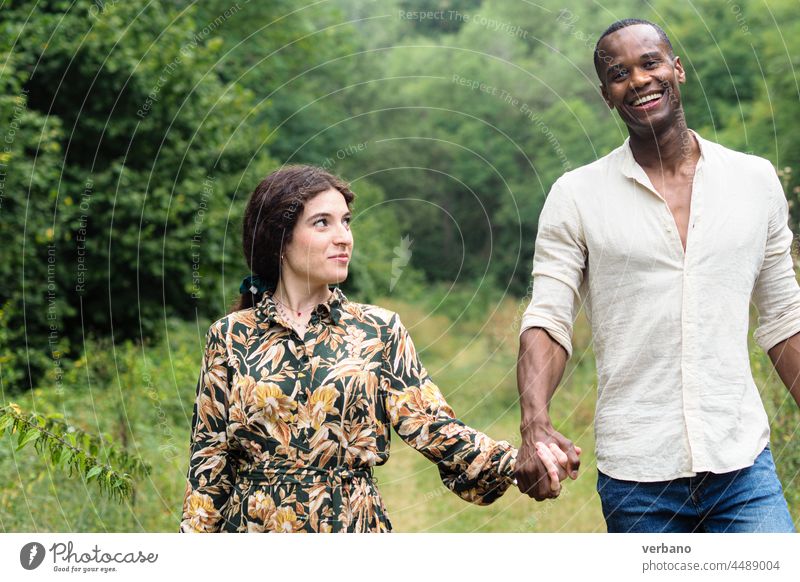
(472, 465)
(776, 293)
(211, 472)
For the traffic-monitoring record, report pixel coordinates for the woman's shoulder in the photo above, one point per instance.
(371, 314)
(243, 317)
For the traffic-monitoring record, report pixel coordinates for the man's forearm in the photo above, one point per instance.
(786, 358)
(540, 368)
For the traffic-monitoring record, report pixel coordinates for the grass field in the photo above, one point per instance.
(143, 398)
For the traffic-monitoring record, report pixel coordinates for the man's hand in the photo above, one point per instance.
(544, 460)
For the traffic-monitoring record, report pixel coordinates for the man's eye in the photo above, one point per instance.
(650, 64)
(620, 73)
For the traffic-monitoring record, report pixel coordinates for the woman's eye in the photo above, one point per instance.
(346, 221)
(321, 222)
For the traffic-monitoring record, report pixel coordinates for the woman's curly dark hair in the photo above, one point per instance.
(271, 215)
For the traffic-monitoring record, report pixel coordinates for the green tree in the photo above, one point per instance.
(130, 158)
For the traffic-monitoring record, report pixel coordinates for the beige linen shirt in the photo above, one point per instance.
(675, 393)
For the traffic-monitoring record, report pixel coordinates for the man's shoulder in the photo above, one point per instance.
(736, 159)
(595, 172)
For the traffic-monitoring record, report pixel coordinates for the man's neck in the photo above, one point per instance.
(669, 151)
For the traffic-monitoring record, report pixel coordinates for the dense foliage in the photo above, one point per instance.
(131, 134)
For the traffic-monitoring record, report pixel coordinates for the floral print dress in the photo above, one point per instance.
(286, 430)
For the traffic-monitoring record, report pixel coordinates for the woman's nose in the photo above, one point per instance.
(343, 236)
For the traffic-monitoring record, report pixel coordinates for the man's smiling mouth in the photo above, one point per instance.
(648, 99)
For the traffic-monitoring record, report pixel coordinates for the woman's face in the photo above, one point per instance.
(322, 243)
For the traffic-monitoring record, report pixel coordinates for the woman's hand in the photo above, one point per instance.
(555, 462)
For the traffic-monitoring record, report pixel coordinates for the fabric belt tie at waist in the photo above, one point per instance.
(306, 475)
(339, 480)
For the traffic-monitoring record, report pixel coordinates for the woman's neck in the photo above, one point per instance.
(300, 297)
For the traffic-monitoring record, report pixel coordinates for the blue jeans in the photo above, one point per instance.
(747, 500)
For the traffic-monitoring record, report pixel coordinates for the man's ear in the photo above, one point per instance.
(679, 72)
(604, 93)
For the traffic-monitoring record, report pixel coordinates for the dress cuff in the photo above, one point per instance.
(506, 459)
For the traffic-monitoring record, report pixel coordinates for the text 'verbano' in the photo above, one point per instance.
(665, 549)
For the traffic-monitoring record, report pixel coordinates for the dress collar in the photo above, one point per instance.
(267, 310)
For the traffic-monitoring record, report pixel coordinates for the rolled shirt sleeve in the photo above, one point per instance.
(211, 473)
(558, 268)
(776, 293)
(472, 465)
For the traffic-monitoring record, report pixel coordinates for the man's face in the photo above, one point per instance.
(640, 78)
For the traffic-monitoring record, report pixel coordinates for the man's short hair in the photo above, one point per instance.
(624, 23)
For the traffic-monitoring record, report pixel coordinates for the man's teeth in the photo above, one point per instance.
(647, 99)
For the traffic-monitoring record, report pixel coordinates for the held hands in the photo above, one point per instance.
(545, 459)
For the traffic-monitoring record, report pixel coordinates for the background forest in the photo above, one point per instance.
(132, 133)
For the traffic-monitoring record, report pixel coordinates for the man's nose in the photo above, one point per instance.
(639, 77)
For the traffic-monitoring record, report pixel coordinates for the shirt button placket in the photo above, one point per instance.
(303, 374)
(687, 384)
(691, 345)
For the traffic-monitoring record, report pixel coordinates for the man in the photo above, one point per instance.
(666, 239)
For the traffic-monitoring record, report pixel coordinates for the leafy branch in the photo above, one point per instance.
(74, 450)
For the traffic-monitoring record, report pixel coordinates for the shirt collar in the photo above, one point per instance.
(631, 168)
(333, 306)
(267, 311)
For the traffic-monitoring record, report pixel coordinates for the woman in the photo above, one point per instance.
(299, 386)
